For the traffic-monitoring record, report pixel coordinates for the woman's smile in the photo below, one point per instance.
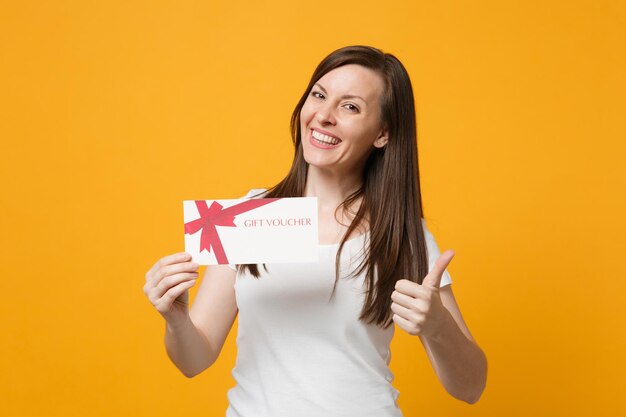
(322, 141)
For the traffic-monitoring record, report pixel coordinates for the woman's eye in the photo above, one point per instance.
(351, 107)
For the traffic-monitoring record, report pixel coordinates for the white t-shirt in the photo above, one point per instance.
(301, 354)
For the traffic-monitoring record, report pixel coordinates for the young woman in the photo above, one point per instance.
(313, 338)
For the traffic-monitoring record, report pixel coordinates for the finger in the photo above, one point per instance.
(155, 292)
(172, 269)
(433, 278)
(164, 304)
(411, 288)
(406, 325)
(407, 301)
(168, 260)
(412, 315)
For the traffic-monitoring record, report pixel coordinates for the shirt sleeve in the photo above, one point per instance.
(253, 193)
(433, 255)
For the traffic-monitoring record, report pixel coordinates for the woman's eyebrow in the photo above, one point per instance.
(344, 96)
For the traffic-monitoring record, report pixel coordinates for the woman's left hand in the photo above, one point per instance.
(418, 308)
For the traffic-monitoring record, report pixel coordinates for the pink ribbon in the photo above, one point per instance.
(216, 216)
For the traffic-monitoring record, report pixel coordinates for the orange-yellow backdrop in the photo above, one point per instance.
(114, 112)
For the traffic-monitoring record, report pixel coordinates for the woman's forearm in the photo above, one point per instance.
(188, 348)
(459, 363)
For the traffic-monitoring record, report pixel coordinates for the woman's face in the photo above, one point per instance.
(340, 120)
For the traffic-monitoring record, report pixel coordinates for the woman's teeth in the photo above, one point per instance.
(328, 140)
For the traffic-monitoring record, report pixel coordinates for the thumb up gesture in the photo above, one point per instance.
(418, 309)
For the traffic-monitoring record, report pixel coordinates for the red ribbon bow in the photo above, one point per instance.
(216, 216)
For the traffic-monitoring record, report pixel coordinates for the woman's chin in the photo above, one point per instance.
(319, 165)
(315, 160)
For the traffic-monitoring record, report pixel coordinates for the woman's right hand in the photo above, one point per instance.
(167, 286)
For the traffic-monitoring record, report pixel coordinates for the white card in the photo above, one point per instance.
(251, 230)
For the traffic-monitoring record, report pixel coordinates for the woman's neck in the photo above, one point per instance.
(330, 188)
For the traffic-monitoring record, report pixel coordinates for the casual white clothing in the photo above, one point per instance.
(301, 354)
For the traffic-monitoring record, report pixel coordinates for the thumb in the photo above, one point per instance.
(433, 279)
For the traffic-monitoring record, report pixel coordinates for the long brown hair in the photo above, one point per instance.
(390, 192)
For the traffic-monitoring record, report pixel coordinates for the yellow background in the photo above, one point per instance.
(113, 112)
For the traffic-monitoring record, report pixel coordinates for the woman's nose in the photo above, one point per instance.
(325, 115)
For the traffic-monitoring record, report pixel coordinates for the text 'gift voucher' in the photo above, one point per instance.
(254, 230)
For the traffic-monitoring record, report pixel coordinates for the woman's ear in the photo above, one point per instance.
(383, 138)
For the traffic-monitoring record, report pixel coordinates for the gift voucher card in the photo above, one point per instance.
(251, 230)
